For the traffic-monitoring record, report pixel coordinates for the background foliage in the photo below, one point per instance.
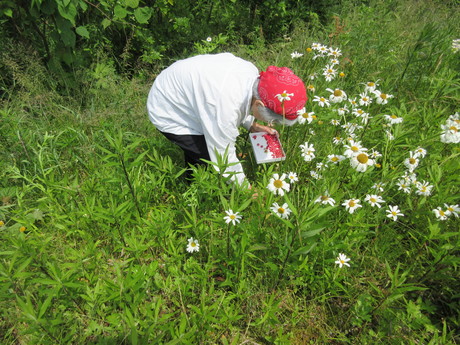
(95, 213)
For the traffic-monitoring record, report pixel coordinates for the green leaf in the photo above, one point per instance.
(106, 22)
(304, 250)
(82, 31)
(68, 12)
(143, 14)
(120, 12)
(132, 3)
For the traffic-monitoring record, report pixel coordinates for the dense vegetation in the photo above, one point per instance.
(95, 215)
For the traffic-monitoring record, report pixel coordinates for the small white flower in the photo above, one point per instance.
(335, 159)
(450, 132)
(379, 186)
(374, 200)
(412, 162)
(343, 110)
(353, 102)
(353, 148)
(281, 211)
(278, 185)
(440, 214)
(193, 245)
(404, 186)
(335, 122)
(361, 161)
(296, 55)
(315, 175)
(335, 52)
(370, 86)
(308, 151)
(304, 116)
(337, 95)
(232, 217)
(394, 212)
(364, 99)
(423, 188)
(393, 119)
(292, 177)
(342, 260)
(325, 199)
(419, 152)
(381, 98)
(351, 205)
(322, 102)
(209, 39)
(284, 96)
(453, 209)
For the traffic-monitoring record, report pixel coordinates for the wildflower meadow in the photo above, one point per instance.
(353, 238)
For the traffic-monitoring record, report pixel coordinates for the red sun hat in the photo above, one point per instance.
(280, 88)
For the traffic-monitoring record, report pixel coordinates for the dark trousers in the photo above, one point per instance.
(194, 147)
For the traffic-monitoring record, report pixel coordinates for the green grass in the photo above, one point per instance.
(107, 214)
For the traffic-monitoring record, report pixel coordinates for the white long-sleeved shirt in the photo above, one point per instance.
(206, 95)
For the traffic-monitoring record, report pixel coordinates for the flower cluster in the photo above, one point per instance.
(451, 130)
(447, 212)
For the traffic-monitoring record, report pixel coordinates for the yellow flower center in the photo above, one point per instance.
(22, 229)
(193, 244)
(441, 212)
(394, 213)
(423, 189)
(278, 183)
(362, 158)
(334, 159)
(324, 197)
(322, 99)
(337, 93)
(453, 129)
(359, 111)
(451, 209)
(372, 200)
(330, 70)
(393, 116)
(232, 217)
(354, 148)
(370, 84)
(412, 160)
(383, 95)
(308, 50)
(281, 210)
(341, 74)
(305, 115)
(351, 203)
(284, 94)
(310, 87)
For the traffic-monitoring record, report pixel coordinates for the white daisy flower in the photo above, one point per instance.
(343, 110)
(342, 260)
(284, 96)
(379, 186)
(374, 200)
(409, 177)
(296, 55)
(450, 133)
(337, 95)
(232, 217)
(325, 199)
(353, 102)
(370, 86)
(292, 177)
(209, 39)
(334, 62)
(305, 117)
(335, 122)
(404, 186)
(364, 99)
(423, 188)
(321, 101)
(393, 119)
(361, 161)
(419, 152)
(278, 185)
(394, 212)
(329, 69)
(311, 88)
(335, 159)
(337, 140)
(358, 112)
(335, 52)
(412, 162)
(193, 245)
(440, 214)
(453, 209)
(316, 46)
(315, 175)
(351, 205)
(353, 148)
(281, 211)
(375, 154)
(381, 98)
